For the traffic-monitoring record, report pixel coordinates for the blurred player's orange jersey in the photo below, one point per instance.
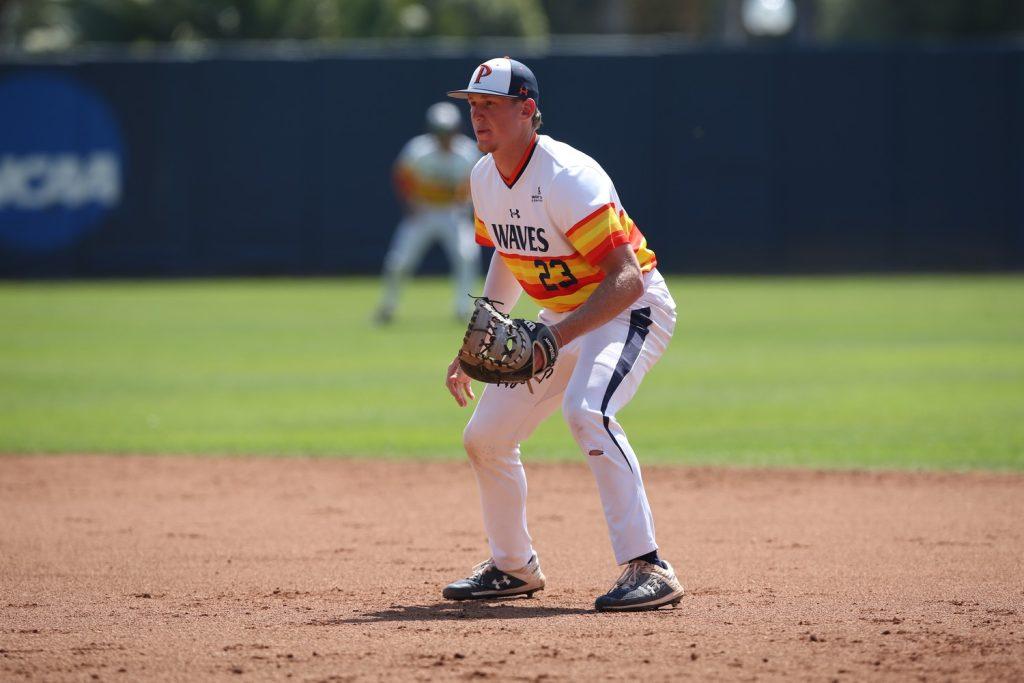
(428, 175)
(553, 222)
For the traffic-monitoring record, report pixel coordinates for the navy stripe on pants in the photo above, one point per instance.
(639, 324)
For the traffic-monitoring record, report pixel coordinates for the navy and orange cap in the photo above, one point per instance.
(503, 77)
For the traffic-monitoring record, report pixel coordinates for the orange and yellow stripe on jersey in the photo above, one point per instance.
(603, 230)
(563, 283)
(482, 237)
(557, 283)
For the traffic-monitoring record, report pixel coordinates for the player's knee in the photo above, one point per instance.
(482, 444)
(584, 420)
(476, 442)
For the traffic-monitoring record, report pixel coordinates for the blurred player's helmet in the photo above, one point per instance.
(501, 76)
(443, 118)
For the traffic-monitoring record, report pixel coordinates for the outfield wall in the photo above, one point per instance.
(788, 160)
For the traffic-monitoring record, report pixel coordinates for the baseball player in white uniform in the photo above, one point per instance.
(562, 235)
(431, 177)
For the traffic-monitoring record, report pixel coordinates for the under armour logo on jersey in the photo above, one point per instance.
(483, 71)
(514, 213)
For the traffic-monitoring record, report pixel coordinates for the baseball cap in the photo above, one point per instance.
(501, 76)
(443, 117)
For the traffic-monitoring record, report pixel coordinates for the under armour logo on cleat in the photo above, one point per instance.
(502, 582)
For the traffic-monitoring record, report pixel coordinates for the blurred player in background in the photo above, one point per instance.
(431, 178)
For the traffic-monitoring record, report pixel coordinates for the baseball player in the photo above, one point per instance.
(562, 235)
(431, 177)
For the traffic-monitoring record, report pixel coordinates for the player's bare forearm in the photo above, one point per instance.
(623, 284)
(501, 285)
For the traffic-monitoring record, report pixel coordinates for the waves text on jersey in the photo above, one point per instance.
(522, 237)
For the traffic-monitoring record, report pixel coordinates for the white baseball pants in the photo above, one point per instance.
(452, 227)
(594, 376)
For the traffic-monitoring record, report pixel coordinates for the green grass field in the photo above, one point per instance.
(907, 372)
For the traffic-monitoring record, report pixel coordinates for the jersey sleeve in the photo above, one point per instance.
(480, 233)
(584, 208)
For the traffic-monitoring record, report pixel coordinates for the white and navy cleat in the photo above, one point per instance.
(642, 586)
(488, 582)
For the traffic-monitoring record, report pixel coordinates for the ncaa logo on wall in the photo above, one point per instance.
(61, 161)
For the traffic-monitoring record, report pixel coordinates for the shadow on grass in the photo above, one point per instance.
(508, 608)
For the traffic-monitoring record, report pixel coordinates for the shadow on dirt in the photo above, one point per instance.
(514, 608)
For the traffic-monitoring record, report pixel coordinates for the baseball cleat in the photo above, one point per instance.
(487, 581)
(642, 586)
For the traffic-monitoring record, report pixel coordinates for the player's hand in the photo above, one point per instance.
(459, 384)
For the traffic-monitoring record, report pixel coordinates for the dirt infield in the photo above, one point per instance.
(326, 570)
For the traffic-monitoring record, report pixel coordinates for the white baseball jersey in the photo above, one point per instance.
(431, 176)
(553, 222)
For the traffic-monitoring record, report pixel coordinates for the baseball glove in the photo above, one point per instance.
(499, 349)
